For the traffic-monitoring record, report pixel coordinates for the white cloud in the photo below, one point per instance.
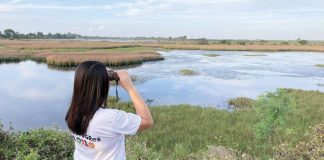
(75, 28)
(101, 27)
(196, 18)
(14, 2)
(12, 6)
(132, 8)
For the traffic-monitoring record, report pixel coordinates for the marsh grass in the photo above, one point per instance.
(20, 50)
(115, 49)
(320, 65)
(235, 47)
(108, 59)
(211, 55)
(241, 103)
(320, 84)
(182, 130)
(188, 72)
(179, 127)
(254, 55)
(72, 53)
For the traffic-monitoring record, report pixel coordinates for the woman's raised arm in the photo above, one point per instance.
(140, 105)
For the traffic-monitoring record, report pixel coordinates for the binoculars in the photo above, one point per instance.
(113, 76)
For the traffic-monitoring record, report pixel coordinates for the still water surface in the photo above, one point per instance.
(33, 95)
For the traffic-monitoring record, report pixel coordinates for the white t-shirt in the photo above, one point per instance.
(105, 137)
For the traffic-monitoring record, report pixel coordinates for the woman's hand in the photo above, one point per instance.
(125, 80)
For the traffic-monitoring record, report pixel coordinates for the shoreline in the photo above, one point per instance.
(67, 53)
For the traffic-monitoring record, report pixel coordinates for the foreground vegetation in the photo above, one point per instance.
(287, 124)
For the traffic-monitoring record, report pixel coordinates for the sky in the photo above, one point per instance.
(215, 19)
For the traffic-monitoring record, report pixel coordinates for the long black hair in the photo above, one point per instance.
(91, 85)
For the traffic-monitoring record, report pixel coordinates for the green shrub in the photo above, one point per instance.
(48, 143)
(272, 110)
(33, 155)
(6, 143)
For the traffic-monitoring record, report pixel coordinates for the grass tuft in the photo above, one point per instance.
(254, 55)
(211, 55)
(320, 65)
(241, 103)
(188, 72)
(320, 84)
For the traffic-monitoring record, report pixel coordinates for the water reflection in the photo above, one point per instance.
(33, 95)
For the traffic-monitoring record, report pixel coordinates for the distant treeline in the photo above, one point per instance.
(11, 34)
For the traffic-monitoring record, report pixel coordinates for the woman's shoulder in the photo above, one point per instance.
(105, 114)
(108, 112)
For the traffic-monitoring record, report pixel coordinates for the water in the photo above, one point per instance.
(33, 95)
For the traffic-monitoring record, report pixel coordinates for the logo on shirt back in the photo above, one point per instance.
(86, 140)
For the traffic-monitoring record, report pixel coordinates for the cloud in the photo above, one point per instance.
(75, 28)
(14, 2)
(131, 8)
(101, 27)
(13, 6)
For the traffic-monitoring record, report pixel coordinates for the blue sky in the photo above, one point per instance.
(219, 19)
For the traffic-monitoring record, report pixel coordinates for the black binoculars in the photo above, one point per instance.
(113, 76)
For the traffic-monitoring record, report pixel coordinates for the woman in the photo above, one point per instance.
(99, 132)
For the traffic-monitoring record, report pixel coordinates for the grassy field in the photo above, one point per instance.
(291, 122)
(235, 47)
(69, 53)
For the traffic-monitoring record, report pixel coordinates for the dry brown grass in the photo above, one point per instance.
(71, 53)
(223, 47)
(54, 44)
(110, 59)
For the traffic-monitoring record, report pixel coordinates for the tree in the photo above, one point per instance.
(302, 42)
(203, 41)
(224, 41)
(31, 36)
(9, 33)
(242, 42)
(40, 34)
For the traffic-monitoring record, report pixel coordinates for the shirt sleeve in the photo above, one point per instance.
(126, 123)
